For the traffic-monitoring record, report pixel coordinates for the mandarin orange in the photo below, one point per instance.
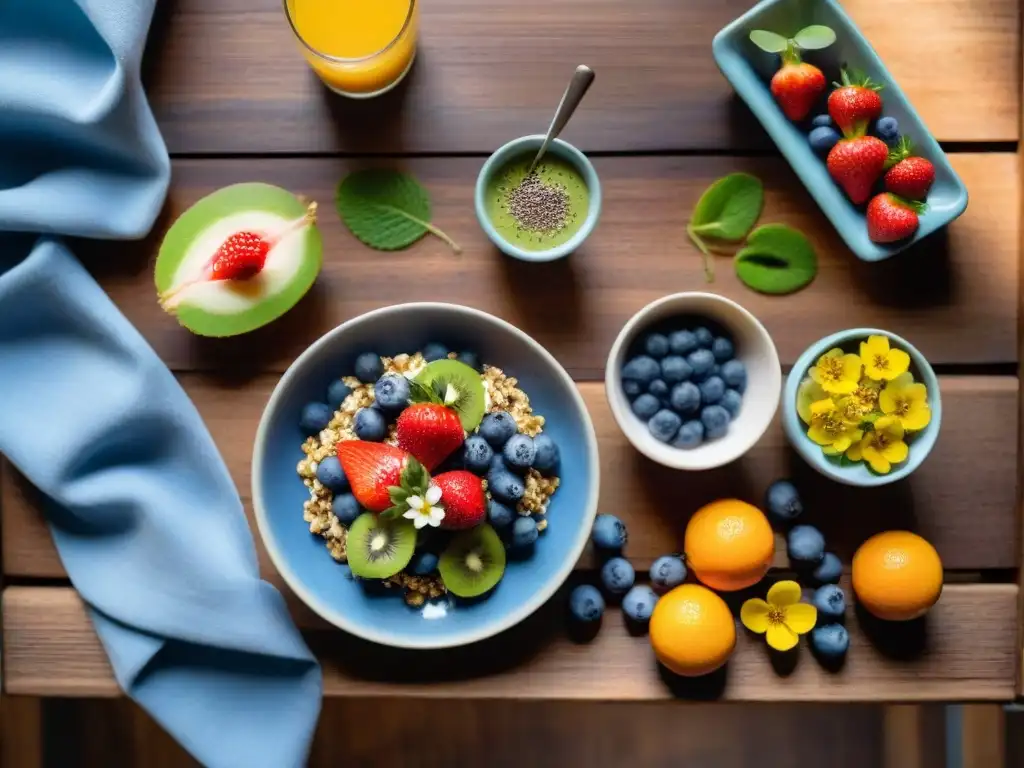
(692, 631)
(729, 544)
(897, 575)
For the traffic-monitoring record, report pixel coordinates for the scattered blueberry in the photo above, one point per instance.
(722, 349)
(617, 576)
(685, 398)
(505, 485)
(701, 362)
(337, 392)
(711, 390)
(674, 369)
(659, 389)
(783, 501)
(715, 420)
(732, 401)
(471, 359)
(498, 462)
(497, 427)
(704, 338)
(370, 425)
(690, 435)
(315, 417)
(646, 406)
(434, 351)
(830, 641)
(830, 601)
(547, 457)
(806, 544)
(682, 342)
(829, 569)
(330, 475)
(667, 572)
(888, 129)
(643, 369)
(368, 367)
(821, 120)
(664, 425)
(823, 138)
(656, 345)
(519, 452)
(391, 392)
(632, 388)
(524, 531)
(638, 604)
(586, 604)
(499, 515)
(734, 374)
(423, 563)
(477, 454)
(346, 508)
(609, 533)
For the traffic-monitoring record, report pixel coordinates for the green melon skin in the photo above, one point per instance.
(231, 200)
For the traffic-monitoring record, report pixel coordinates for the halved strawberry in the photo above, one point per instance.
(462, 495)
(430, 432)
(371, 469)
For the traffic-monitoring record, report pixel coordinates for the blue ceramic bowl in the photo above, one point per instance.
(750, 69)
(303, 560)
(528, 145)
(860, 473)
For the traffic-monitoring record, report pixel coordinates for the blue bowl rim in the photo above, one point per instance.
(456, 639)
(566, 151)
(811, 453)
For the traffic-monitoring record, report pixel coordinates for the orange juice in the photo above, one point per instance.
(359, 48)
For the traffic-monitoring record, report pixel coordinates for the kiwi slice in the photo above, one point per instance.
(462, 387)
(379, 548)
(473, 563)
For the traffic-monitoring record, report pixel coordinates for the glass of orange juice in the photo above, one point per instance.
(359, 48)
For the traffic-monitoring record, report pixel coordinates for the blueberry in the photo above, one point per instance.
(830, 641)
(701, 362)
(656, 345)
(471, 359)
(315, 417)
(685, 398)
(675, 369)
(682, 342)
(711, 390)
(690, 435)
(643, 369)
(524, 531)
(498, 462)
(828, 570)
(499, 515)
(434, 351)
(646, 406)
(586, 604)
(715, 420)
(617, 576)
(806, 544)
(370, 425)
(505, 486)
(667, 572)
(732, 401)
(497, 427)
(519, 453)
(822, 139)
(329, 473)
(369, 368)
(704, 338)
(638, 604)
(830, 601)
(821, 120)
(423, 563)
(346, 508)
(722, 349)
(659, 389)
(783, 502)
(734, 374)
(391, 392)
(632, 388)
(664, 425)
(337, 392)
(888, 129)
(609, 534)
(547, 457)
(477, 454)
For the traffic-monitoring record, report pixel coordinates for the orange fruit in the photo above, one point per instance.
(897, 575)
(692, 631)
(729, 544)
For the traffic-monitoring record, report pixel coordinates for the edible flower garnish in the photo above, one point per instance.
(836, 372)
(830, 429)
(907, 401)
(880, 361)
(425, 510)
(782, 618)
(881, 447)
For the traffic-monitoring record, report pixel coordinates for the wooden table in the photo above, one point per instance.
(236, 102)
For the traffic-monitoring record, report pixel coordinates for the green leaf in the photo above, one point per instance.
(392, 513)
(421, 393)
(729, 208)
(387, 210)
(777, 259)
(415, 478)
(398, 494)
(815, 37)
(768, 41)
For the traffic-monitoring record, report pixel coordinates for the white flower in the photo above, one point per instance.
(425, 510)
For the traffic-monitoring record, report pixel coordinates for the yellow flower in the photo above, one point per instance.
(830, 430)
(882, 447)
(782, 619)
(881, 362)
(836, 372)
(807, 393)
(907, 401)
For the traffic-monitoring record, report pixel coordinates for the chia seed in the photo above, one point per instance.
(539, 207)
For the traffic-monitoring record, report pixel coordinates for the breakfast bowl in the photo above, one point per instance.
(919, 410)
(709, 430)
(295, 539)
(568, 199)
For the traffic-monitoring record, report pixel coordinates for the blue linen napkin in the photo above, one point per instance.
(143, 511)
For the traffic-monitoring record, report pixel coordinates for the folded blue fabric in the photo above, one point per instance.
(143, 511)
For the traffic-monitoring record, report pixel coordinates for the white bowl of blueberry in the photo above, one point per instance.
(693, 380)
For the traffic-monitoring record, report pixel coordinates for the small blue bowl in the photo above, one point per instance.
(860, 474)
(303, 560)
(528, 145)
(750, 69)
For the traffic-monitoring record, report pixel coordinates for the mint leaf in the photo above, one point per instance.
(777, 259)
(726, 211)
(768, 42)
(815, 37)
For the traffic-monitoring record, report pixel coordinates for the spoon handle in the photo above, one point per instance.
(574, 92)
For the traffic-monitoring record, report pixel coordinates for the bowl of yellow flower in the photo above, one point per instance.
(862, 407)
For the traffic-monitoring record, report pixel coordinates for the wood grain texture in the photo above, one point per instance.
(969, 516)
(227, 76)
(965, 650)
(954, 296)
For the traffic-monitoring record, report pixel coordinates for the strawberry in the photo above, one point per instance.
(855, 164)
(796, 86)
(891, 218)
(462, 495)
(855, 104)
(909, 177)
(430, 432)
(371, 469)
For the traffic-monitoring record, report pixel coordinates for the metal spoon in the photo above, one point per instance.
(574, 92)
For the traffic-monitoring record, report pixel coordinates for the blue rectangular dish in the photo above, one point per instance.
(750, 69)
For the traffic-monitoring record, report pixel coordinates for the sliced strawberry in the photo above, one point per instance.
(371, 468)
(856, 164)
(462, 495)
(430, 432)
